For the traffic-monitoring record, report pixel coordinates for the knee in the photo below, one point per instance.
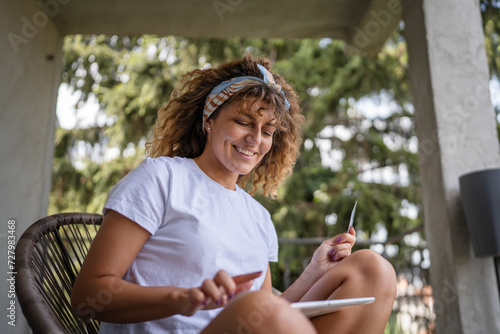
(372, 263)
(267, 313)
(374, 268)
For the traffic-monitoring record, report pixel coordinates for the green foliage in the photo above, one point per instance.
(133, 77)
(490, 12)
(346, 150)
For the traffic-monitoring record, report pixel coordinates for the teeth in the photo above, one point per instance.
(245, 152)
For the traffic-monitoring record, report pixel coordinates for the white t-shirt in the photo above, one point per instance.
(197, 228)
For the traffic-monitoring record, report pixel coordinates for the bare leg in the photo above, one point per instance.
(259, 312)
(363, 274)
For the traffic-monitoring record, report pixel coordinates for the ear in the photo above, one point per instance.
(208, 125)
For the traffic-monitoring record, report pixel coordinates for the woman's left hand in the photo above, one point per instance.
(332, 251)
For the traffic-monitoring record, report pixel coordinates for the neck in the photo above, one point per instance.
(225, 178)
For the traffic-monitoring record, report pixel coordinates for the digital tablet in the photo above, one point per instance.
(315, 308)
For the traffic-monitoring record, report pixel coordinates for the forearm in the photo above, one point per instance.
(112, 299)
(301, 285)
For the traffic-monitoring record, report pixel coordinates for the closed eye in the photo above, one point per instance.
(269, 129)
(242, 123)
(266, 132)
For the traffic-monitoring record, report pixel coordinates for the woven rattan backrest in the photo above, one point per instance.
(49, 255)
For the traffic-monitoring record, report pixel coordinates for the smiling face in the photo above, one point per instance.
(237, 140)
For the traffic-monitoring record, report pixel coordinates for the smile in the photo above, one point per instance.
(243, 151)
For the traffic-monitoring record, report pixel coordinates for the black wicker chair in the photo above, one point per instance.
(49, 256)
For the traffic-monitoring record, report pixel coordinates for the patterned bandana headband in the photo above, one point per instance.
(225, 89)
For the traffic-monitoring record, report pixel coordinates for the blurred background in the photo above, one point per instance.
(359, 140)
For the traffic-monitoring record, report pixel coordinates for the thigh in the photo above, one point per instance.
(362, 274)
(326, 285)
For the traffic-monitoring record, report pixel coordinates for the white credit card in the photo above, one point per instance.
(352, 216)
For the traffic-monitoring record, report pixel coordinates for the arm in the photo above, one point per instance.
(101, 293)
(327, 256)
(268, 284)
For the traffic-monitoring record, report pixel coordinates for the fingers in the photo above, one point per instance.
(339, 252)
(211, 291)
(196, 298)
(219, 289)
(346, 237)
(222, 287)
(226, 285)
(342, 245)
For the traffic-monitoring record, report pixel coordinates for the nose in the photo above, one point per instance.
(254, 136)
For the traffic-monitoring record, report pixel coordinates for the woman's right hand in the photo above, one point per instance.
(216, 292)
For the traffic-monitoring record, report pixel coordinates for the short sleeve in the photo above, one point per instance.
(141, 194)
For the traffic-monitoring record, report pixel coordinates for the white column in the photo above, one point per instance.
(456, 128)
(30, 58)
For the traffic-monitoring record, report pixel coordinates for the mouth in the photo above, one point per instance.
(243, 151)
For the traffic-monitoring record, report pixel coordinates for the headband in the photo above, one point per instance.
(225, 89)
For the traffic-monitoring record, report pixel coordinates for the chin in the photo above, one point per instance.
(244, 171)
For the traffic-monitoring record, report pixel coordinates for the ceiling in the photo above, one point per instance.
(363, 24)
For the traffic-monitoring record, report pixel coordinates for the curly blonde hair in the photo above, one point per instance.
(178, 127)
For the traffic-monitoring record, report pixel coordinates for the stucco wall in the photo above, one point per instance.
(30, 59)
(456, 129)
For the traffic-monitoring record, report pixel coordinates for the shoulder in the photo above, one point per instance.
(161, 164)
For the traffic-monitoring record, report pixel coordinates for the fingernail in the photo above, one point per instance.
(204, 302)
(231, 296)
(217, 302)
(338, 240)
(334, 257)
(331, 252)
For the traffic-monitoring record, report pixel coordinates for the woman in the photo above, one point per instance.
(184, 249)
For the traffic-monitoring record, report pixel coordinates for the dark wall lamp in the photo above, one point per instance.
(480, 191)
